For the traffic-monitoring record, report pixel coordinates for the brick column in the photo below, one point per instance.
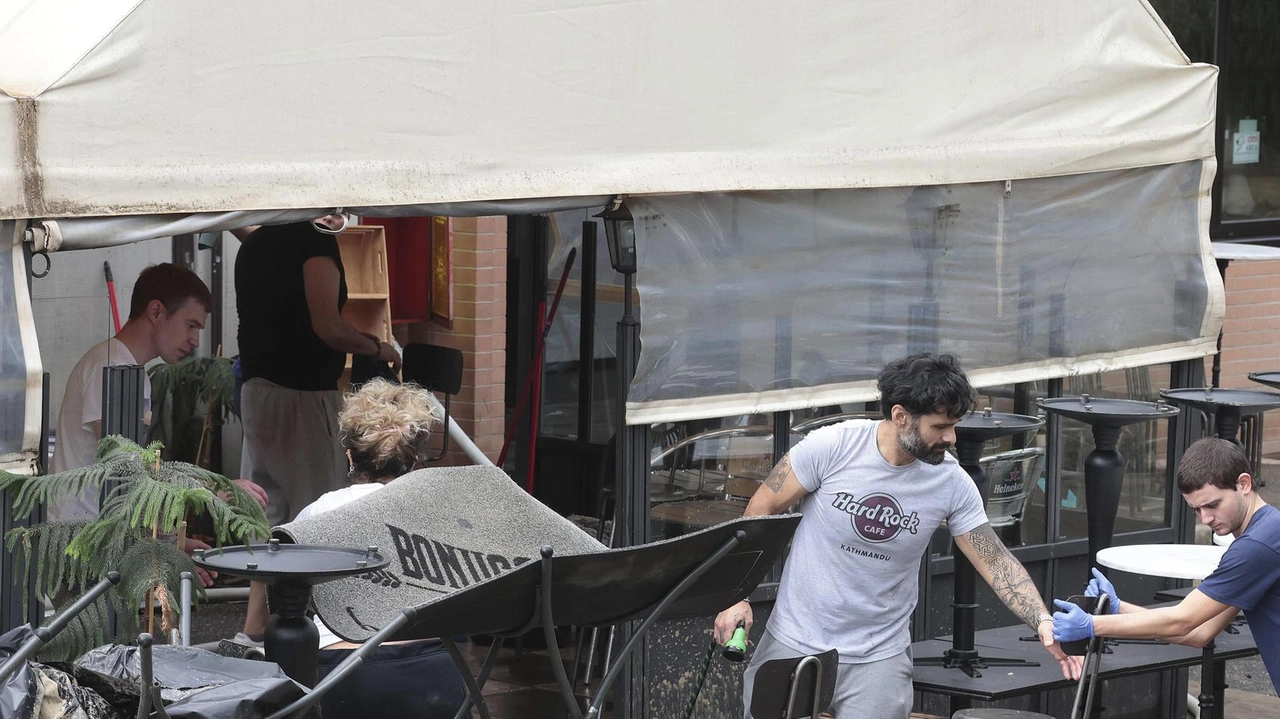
(1250, 332)
(479, 330)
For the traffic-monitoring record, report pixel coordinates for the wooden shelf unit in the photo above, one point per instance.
(364, 257)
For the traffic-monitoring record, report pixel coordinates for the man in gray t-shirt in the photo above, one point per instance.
(872, 493)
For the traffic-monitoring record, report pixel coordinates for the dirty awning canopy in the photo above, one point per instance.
(970, 176)
(121, 107)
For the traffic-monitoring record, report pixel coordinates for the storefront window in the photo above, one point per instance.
(704, 472)
(1250, 97)
(1249, 100)
(1191, 22)
(561, 388)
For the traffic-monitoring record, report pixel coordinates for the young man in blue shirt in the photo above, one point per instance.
(1215, 482)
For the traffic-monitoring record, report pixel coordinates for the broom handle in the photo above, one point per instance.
(537, 357)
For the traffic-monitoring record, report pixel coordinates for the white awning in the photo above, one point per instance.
(150, 107)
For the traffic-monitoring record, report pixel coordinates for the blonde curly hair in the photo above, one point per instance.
(385, 428)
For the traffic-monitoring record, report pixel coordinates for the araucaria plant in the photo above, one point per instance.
(136, 533)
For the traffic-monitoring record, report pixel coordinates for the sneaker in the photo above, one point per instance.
(252, 640)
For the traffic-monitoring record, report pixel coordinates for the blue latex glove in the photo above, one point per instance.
(1101, 585)
(1071, 623)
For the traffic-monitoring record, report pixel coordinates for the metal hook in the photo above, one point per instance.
(48, 264)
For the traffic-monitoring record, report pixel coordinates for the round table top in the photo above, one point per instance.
(304, 563)
(1174, 561)
(984, 425)
(1107, 410)
(1214, 399)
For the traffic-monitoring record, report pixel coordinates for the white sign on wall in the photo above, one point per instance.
(1246, 143)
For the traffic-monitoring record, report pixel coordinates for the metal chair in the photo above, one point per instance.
(795, 687)
(43, 635)
(438, 369)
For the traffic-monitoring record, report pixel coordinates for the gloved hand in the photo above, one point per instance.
(1101, 585)
(1071, 623)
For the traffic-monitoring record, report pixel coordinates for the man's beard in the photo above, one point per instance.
(913, 444)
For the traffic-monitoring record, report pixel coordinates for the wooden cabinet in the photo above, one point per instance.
(364, 257)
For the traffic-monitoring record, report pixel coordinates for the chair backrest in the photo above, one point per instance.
(1010, 479)
(796, 687)
(435, 367)
(438, 369)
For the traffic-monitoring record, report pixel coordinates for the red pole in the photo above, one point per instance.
(111, 295)
(535, 368)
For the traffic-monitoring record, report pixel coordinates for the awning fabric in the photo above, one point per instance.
(712, 116)
(121, 107)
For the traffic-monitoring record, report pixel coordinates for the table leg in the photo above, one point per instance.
(1220, 685)
(1206, 698)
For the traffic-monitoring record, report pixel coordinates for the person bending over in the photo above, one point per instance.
(1214, 480)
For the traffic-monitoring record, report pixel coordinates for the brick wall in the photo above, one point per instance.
(1251, 334)
(479, 330)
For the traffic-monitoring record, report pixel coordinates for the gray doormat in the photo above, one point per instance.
(444, 529)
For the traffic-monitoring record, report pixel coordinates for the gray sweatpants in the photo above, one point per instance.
(881, 689)
(291, 445)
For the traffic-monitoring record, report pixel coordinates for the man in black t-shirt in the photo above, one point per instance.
(290, 289)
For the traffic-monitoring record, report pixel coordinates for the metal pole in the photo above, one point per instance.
(633, 497)
(1217, 356)
(184, 622)
(587, 331)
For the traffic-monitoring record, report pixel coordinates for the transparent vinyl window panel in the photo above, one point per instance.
(13, 359)
(753, 292)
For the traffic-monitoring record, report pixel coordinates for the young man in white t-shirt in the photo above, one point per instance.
(167, 311)
(872, 493)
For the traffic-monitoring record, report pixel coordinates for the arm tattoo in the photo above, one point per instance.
(779, 474)
(1009, 579)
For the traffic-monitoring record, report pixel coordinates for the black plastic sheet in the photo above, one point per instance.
(16, 694)
(199, 684)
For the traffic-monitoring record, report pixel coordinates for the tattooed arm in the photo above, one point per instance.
(1005, 574)
(1010, 581)
(779, 491)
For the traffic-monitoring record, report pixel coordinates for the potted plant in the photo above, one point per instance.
(137, 533)
(188, 399)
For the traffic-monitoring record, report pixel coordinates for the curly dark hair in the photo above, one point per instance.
(925, 383)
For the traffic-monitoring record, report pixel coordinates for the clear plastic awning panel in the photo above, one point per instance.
(20, 368)
(757, 302)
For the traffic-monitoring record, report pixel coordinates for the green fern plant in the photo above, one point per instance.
(189, 398)
(148, 498)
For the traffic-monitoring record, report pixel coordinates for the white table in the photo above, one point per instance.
(1175, 561)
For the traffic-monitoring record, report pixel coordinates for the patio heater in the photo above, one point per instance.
(632, 478)
(1104, 467)
(972, 434)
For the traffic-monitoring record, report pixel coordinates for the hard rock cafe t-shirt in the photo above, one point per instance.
(851, 578)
